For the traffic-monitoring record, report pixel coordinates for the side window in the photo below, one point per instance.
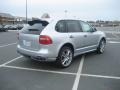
(73, 26)
(86, 27)
(60, 26)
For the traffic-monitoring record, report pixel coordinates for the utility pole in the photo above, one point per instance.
(26, 13)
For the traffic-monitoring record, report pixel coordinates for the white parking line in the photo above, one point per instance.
(113, 38)
(100, 76)
(14, 30)
(8, 45)
(113, 42)
(109, 38)
(39, 70)
(77, 79)
(11, 61)
(78, 74)
(116, 32)
(115, 35)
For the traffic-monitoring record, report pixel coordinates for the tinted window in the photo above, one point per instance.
(60, 26)
(73, 26)
(86, 27)
(33, 29)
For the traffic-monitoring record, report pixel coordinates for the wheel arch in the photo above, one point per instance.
(67, 44)
(103, 38)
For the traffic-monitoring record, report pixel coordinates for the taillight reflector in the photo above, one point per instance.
(44, 39)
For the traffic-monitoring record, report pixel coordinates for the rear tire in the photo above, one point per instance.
(101, 46)
(65, 57)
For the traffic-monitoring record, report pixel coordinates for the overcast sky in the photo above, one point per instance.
(83, 9)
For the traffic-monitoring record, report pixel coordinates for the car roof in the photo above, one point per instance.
(49, 20)
(58, 19)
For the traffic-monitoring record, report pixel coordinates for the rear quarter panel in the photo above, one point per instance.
(59, 39)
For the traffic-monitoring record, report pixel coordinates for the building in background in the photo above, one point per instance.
(100, 23)
(6, 18)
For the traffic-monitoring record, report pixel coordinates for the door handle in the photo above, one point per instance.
(71, 36)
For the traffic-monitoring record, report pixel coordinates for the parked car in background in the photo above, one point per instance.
(59, 40)
(13, 27)
(20, 26)
(2, 28)
(6, 27)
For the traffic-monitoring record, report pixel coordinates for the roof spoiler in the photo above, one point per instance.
(44, 23)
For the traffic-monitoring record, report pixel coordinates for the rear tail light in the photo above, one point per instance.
(18, 36)
(45, 40)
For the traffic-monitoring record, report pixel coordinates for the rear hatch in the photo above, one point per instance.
(29, 35)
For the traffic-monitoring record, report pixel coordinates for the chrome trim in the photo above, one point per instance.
(85, 52)
(86, 47)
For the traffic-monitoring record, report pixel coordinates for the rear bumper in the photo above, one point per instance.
(36, 55)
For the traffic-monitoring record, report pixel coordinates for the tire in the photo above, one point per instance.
(101, 46)
(65, 57)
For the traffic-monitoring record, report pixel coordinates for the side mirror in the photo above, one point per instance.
(94, 29)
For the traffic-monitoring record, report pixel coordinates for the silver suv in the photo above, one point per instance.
(59, 40)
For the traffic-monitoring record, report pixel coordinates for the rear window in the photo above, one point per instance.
(34, 28)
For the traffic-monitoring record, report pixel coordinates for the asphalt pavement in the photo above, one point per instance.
(87, 72)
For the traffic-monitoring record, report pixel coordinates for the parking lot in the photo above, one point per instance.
(88, 72)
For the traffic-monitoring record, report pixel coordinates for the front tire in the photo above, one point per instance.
(65, 57)
(101, 46)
